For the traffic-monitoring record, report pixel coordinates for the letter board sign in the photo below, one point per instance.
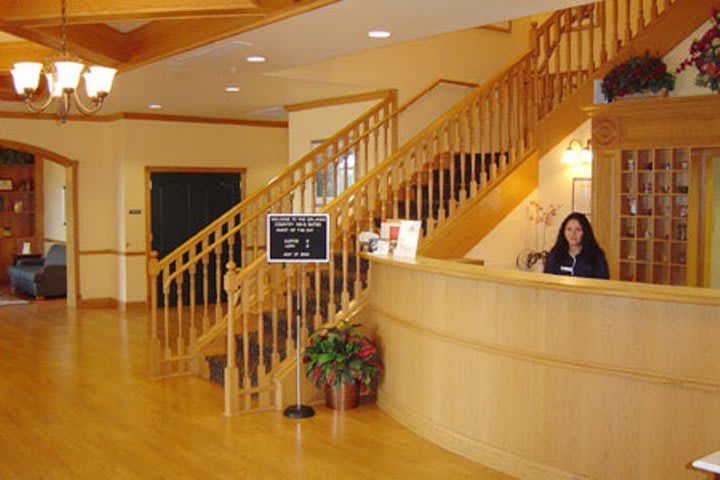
(298, 237)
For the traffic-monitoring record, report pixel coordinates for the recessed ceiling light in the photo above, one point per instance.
(379, 34)
(255, 59)
(232, 89)
(154, 106)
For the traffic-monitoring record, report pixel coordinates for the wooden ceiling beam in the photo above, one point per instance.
(37, 13)
(158, 40)
(94, 43)
(13, 52)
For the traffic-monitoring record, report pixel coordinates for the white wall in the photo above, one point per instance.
(111, 158)
(320, 123)
(53, 186)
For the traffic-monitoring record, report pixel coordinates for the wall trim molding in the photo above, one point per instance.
(110, 251)
(477, 451)
(552, 360)
(149, 117)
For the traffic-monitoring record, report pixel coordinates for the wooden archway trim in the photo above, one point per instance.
(71, 176)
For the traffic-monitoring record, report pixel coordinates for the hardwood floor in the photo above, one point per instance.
(76, 402)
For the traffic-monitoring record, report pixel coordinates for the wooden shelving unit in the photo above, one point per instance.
(20, 206)
(652, 201)
(654, 211)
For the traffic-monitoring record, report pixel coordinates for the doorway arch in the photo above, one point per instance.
(71, 202)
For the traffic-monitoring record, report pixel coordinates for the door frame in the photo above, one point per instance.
(72, 238)
(149, 170)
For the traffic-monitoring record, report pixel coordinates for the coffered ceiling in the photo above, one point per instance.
(182, 53)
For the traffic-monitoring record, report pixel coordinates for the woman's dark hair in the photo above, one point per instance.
(590, 245)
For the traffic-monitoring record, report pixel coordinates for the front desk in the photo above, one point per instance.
(547, 377)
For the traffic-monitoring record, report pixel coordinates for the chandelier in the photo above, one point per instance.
(62, 73)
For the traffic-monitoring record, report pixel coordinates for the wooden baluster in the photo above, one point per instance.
(653, 9)
(641, 16)
(547, 86)
(180, 339)
(387, 145)
(317, 319)
(331, 273)
(510, 97)
(376, 151)
(357, 213)
(193, 329)
(556, 95)
(628, 29)
(462, 149)
(366, 151)
(471, 130)
(419, 182)
(451, 146)
(395, 189)
(502, 117)
(231, 374)
(407, 179)
(580, 12)
(441, 177)
(313, 191)
(166, 313)
(482, 129)
(567, 88)
(262, 380)
(246, 383)
(430, 161)
(491, 132)
(592, 9)
(218, 279)
(274, 289)
(616, 27)
(602, 18)
(289, 341)
(205, 262)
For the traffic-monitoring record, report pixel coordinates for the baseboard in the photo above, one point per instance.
(98, 303)
(475, 450)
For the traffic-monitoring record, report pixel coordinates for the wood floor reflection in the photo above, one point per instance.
(76, 402)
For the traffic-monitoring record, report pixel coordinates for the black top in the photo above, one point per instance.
(580, 266)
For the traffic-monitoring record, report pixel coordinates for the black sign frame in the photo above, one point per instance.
(296, 237)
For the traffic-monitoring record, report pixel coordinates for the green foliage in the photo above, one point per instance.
(340, 354)
(639, 74)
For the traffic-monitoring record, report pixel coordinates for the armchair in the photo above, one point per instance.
(41, 278)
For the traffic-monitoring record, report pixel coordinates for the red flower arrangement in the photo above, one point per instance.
(340, 354)
(639, 74)
(705, 56)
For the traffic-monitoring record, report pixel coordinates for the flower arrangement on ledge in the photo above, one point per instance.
(637, 75)
(705, 56)
(340, 354)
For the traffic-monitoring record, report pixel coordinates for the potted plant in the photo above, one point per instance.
(705, 56)
(639, 75)
(342, 361)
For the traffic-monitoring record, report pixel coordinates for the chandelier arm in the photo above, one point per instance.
(37, 108)
(96, 104)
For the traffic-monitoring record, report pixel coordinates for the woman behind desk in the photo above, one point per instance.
(576, 252)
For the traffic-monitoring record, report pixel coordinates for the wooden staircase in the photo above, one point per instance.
(444, 176)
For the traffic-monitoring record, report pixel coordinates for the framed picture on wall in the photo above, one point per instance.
(6, 184)
(582, 196)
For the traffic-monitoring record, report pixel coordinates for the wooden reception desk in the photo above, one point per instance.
(548, 377)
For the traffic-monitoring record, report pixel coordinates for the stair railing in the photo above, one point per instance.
(306, 186)
(429, 178)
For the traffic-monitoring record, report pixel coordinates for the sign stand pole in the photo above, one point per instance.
(298, 410)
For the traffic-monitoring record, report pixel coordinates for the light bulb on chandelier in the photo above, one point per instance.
(62, 74)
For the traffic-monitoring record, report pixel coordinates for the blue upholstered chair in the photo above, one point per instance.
(41, 277)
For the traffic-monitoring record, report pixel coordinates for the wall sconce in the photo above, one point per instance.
(577, 154)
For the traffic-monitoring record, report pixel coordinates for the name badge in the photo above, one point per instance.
(566, 269)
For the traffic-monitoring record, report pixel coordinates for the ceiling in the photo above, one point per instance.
(181, 54)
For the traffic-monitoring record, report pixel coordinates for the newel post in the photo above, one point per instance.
(152, 287)
(232, 399)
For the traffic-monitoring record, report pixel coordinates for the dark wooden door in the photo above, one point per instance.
(181, 205)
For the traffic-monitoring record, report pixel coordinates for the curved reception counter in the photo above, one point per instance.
(547, 377)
